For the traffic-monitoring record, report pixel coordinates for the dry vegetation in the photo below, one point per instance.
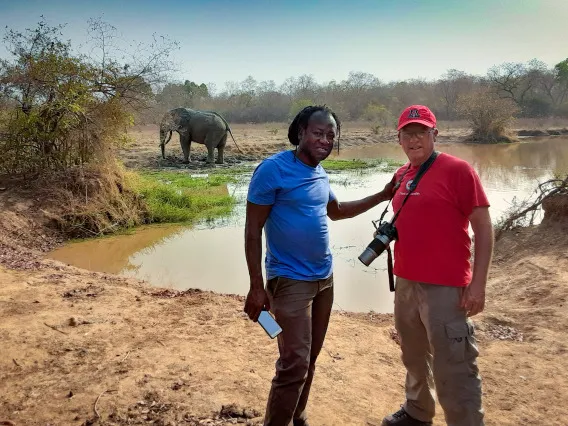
(97, 201)
(63, 117)
(551, 197)
(489, 116)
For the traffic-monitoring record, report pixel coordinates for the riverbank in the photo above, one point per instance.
(257, 141)
(82, 347)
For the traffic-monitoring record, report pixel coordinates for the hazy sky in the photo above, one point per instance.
(228, 40)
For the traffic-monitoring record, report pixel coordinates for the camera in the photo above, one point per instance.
(385, 234)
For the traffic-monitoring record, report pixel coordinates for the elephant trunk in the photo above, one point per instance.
(163, 150)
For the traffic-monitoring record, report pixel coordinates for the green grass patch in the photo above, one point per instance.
(173, 197)
(185, 180)
(339, 165)
(359, 164)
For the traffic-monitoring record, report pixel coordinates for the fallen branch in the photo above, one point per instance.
(54, 328)
(545, 190)
(126, 356)
(97, 400)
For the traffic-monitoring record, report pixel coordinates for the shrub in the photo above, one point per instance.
(378, 114)
(488, 115)
(62, 109)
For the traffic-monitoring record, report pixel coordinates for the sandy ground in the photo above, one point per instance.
(84, 348)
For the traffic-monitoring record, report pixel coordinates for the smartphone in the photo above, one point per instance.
(267, 321)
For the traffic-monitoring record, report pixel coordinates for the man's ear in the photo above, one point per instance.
(435, 134)
(398, 136)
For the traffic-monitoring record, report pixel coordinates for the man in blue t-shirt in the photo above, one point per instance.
(290, 197)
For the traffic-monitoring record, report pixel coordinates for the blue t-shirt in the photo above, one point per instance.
(297, 240)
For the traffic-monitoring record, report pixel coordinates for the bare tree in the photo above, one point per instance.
(358, 91)
(515, 80)
(451, 85)
(561, 78)
(129, 70)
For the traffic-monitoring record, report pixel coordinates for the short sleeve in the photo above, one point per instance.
(332, 196)
(470, 191)
(264, 184)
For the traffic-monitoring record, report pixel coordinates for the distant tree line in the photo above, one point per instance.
(530, 89)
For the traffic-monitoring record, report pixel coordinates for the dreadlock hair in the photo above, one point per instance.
(301, 121)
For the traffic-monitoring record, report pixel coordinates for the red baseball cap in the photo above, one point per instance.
(417, 114)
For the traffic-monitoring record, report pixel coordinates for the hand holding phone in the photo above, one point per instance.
(269, 324)
(256, 301)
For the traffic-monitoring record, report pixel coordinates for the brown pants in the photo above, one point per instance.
(302, 308)
(438, 348)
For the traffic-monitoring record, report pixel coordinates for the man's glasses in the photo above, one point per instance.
(419, 135)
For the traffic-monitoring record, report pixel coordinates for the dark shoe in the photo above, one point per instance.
(402, 418)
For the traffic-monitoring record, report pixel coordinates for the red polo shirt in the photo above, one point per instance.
(433, 243)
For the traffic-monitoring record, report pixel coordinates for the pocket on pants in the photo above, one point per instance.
(461, 341)
(271, 285)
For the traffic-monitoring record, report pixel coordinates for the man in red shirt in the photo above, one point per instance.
(436, 289)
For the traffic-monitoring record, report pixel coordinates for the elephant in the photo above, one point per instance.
(206, 127)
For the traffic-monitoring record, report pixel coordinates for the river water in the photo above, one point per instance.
(211, 256)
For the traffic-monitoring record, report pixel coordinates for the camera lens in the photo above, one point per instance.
(367, 256)
(374, 249)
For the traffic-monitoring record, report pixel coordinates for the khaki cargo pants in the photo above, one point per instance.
(302, 308)
(439, 352)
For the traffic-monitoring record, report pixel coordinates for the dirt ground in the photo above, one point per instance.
(85, 348)
(253, 142)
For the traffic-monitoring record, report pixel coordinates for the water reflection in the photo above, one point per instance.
(507, 171)
(499, 165)
(112, 254)
(211, 255)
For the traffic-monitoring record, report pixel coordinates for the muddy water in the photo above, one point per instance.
(211, 257)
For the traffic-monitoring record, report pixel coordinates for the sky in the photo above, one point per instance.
(229, 40)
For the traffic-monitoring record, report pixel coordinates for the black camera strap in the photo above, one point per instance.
(414, 183)
(390, 268)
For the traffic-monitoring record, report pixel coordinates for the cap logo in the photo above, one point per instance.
(413, 113)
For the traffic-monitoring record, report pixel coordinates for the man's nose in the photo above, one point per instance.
(413, 136)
